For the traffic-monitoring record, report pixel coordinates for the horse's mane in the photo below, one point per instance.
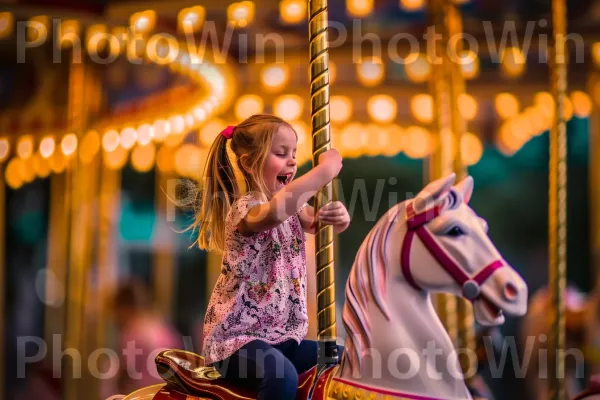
(367, 277)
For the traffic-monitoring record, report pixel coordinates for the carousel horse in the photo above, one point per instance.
(432, 243)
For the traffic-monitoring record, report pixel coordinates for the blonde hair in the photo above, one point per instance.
(220, 188)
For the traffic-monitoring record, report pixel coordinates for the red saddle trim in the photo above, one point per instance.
(321, 387)
(218, 388)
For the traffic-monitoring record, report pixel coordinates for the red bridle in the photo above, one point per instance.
(471, 286)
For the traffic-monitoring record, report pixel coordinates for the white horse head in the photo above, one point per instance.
(433, 243)
(462, 235)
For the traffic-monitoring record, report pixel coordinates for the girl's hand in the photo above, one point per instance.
(335, 214)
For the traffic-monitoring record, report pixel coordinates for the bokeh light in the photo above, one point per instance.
(274, 77)
(25, 146)
(418, 142)
(143, 156)
(371, 71)
(69, 144)
(340, 108)
(47, 146)
(382, 108)
(507, 105)
(421, 107)
(248, 105)
(288, 107)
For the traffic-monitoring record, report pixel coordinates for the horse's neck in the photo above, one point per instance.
(411, 352)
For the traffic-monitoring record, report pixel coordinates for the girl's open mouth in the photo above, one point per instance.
(284, 179)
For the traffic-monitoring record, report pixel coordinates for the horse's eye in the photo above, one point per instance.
(455, 231)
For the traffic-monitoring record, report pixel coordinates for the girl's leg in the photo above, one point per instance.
(260, 364)
(304, 355)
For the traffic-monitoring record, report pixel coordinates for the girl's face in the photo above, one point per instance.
(280, 165)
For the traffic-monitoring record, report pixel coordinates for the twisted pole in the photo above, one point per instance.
(75, 273)
(321, 141)
(3, 285)
(465, 321)
(440, 161)
(557, 210)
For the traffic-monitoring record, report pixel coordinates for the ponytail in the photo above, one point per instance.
(218, 190)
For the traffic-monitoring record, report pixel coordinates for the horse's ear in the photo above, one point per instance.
(466, 188)
(433, 191)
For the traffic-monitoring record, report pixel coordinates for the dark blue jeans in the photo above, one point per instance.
(272, 369)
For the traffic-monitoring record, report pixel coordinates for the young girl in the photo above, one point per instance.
(256, 319)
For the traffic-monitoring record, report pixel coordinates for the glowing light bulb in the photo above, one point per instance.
(419, 70)
(69, 144)
(248, 105)
(111, 140)
(418, 142)
(25, 146)
(468, 106)
(340, 109)
(412, 5)
(513, 62)
(359, 8)
(292, 11)
(507, 105)
(288, 107)
(421, 106)
(274, 77)
(4, 149)
(371, 71)
(128, 138)
(142, 157)
(471, 149)
(582, 104)
(47, 146)
(382, 108)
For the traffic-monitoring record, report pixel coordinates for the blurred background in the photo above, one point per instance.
(107, 110)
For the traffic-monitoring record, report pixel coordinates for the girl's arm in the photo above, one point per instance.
(288, 200)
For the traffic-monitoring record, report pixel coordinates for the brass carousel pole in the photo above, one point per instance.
(465, 319)
(321, 135)
(108, 222)
(164, 258)
(2, 276)
(557, 217)
(56, 268)
(91, 182)
(594, 183)
(594, 178)
(77, 276)
(440, 161)
(592, 330)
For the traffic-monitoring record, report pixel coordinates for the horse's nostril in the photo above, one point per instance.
(510, 291)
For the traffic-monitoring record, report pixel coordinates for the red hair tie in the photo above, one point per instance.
(228, 132)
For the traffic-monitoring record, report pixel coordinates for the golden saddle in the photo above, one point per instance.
(187, 373)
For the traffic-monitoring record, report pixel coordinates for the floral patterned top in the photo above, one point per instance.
(261, 291)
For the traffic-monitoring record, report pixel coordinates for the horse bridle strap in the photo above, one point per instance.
(471, 286)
